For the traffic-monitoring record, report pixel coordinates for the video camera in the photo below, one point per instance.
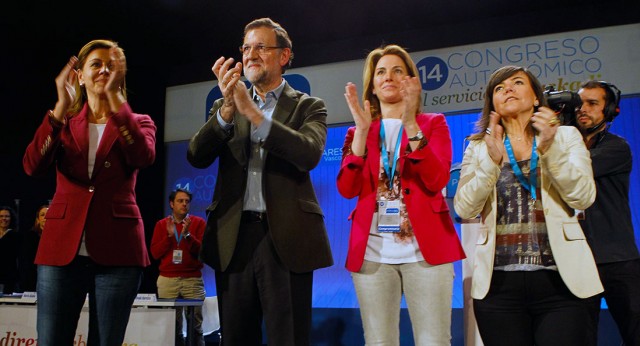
(564, 103)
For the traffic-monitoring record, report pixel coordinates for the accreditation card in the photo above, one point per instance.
(389, 216)
(177, 256)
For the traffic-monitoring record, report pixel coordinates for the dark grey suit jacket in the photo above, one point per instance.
(293, 148)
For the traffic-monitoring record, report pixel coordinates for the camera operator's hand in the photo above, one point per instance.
(546, 122)
(494, 138)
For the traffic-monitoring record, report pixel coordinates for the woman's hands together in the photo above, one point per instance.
(361, 116)
(494, 138)
(546, 122)
(65, 86)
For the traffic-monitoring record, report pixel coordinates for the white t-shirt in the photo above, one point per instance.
(384, 247)
(95, 136)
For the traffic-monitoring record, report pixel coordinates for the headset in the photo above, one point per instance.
(612, 109)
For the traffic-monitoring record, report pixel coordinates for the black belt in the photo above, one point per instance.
(249, 216)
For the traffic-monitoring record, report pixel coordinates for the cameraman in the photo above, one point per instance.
(607, 222)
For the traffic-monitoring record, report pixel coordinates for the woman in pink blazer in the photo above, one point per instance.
(402, 237)
(93, 242)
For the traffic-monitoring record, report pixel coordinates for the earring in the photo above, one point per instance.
(81, 83)
(536, 103)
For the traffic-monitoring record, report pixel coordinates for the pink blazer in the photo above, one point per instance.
(103, 205)
(423, 173)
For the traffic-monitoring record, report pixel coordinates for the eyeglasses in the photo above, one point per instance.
(261, 49)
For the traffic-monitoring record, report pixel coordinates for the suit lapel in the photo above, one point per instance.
(373, 150)
(404, 142)
(546, 183)
(239, 144)
(286, 104)
(79, 129)
(109, 137)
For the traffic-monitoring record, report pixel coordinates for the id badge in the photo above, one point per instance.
(177, 256)
(389, 216)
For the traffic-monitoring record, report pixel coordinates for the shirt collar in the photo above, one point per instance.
(275, 93)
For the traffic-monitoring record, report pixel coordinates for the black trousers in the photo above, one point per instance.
(256, 285)
(621, 281)
(527, 308)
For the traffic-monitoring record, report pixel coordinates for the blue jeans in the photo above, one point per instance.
(61, 295)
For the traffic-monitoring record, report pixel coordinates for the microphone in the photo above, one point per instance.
(595, 128)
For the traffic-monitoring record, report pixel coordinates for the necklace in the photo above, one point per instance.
(99, 120)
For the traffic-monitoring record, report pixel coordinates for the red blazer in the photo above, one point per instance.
(423, 173)
(103, 205)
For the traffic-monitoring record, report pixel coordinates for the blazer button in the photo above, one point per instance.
(91, 188)
(107, 164)
(406, 191)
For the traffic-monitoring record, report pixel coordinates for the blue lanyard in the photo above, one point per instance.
(385, 156)
(533, 174)
(175, 232)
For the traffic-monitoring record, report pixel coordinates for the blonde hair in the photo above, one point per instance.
(369, 70)
(81, 94)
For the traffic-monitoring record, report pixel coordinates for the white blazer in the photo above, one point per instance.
(567, 184)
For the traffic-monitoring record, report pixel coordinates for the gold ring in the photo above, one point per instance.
(554, 121)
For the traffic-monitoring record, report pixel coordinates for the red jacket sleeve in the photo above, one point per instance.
(160, 242)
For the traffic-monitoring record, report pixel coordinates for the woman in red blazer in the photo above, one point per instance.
(402, 237)
(93, 242)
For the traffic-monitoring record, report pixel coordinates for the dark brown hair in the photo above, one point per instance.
(282, 37)
(496, 78)
(36, 225)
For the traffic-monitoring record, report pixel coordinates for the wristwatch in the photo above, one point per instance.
(418, 137)
(187, 235)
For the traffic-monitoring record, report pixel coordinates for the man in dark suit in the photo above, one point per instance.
(265, 230)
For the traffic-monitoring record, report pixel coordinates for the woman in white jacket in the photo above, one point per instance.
(525, 176)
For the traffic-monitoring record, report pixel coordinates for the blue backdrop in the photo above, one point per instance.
(332, 286)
